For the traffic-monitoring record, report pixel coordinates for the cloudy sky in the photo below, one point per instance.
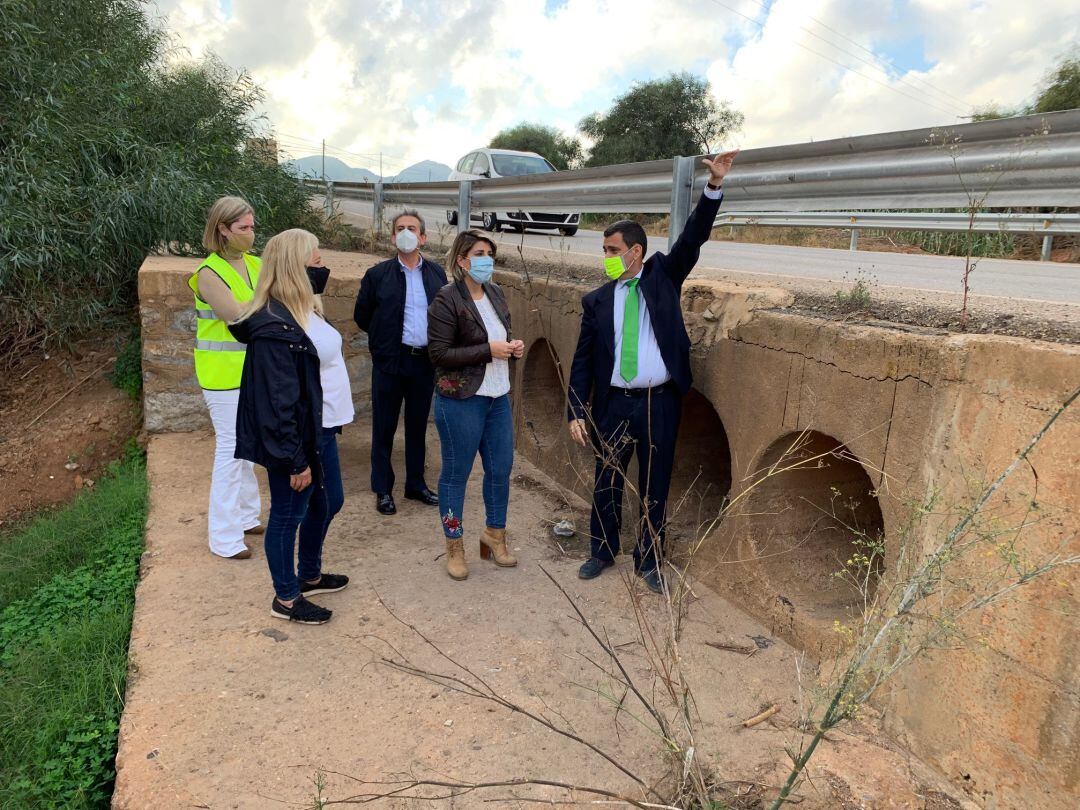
(431, 80)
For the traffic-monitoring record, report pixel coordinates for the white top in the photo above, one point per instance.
(497, 372)
(337, 395)
(651, 369)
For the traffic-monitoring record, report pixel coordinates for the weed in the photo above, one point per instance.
(859, 297)
(65, 617)
(127, 373)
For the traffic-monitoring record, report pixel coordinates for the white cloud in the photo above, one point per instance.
(426, 79)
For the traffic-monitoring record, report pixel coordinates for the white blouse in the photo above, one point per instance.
(497, 372)
(337, 394)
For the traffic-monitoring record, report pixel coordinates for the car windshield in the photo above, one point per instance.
(515, 165)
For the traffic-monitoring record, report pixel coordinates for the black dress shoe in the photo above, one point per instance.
(384, 503)
(653, 579)
(423, 495)
(593, 567)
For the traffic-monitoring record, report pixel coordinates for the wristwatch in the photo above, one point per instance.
(710, 186)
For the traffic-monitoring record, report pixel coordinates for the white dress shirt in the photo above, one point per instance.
(414, 330)
(651, 370)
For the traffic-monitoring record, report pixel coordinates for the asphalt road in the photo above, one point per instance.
(1031, 281)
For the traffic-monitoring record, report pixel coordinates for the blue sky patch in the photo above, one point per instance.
(905, 54)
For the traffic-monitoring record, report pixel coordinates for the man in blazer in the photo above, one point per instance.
(630, 372)
(392, 308)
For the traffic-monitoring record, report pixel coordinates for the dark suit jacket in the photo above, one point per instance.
(661, 286)
(380, 307)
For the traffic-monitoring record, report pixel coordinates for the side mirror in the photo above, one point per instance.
(485, 174)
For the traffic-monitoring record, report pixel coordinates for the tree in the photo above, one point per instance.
(1061, 90)
(107, 154)
(660, 119)
(562, 151)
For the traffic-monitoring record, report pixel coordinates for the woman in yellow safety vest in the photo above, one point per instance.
(224, 282)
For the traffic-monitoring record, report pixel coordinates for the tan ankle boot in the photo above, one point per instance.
(455, 559)
(493, 544)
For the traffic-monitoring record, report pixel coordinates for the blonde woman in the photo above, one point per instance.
(294, 398)
(224, 282)
(469, 343)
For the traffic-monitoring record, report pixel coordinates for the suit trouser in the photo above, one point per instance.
(234, 492)
(646, 424)
(412, 385)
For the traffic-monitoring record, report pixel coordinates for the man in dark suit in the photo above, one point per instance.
(392, 308)
(630, 372)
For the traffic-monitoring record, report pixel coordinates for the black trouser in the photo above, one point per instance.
(412, 384)
(645, 422)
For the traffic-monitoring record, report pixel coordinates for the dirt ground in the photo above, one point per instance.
(82, 423)
(229, 708)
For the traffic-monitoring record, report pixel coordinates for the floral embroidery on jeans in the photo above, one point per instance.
(451, 524)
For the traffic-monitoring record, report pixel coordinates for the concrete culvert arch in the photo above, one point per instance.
(543, 400)
(813, 510)
(701, 477)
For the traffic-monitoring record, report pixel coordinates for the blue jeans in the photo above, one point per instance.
(466, 426)
(309, 511)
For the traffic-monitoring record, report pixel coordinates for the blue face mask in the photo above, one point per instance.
(481, 268)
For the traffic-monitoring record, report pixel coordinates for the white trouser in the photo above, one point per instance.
(234, 492)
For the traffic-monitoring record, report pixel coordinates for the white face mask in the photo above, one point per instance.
(406, 241)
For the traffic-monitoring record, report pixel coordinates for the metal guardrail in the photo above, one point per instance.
(1029, 161)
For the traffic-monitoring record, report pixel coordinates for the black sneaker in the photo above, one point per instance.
(593, 567)
(328, 583)
(302, 612)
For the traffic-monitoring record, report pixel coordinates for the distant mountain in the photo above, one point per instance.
(336, 170)
(423, 172)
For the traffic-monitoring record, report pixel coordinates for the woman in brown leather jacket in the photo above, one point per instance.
(469, 343)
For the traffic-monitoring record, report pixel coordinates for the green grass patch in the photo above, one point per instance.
(65, 620)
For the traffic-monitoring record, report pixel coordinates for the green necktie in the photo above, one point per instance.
(628, 359)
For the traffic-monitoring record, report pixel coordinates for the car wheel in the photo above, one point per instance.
(491, 222)
(451, 217)
(568, 231)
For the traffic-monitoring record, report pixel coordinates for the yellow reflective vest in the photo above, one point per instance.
(219, 357)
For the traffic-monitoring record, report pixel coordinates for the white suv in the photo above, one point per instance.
(487, 163)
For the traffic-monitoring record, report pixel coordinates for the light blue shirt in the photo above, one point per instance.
(651, 369)
(414, 330)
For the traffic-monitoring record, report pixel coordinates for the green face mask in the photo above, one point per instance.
(614, 266)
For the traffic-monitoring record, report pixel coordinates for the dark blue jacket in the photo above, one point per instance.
(279, 415)
(661, 286)
(380, 307)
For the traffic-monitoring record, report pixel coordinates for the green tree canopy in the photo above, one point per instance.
(108, 153)
(562, 151)
(1061, 90)
(660, 119)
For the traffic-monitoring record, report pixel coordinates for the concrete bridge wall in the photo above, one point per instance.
(896, 416)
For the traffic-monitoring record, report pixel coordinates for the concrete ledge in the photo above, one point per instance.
(172, 397)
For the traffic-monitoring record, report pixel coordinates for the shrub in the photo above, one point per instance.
(107, 153)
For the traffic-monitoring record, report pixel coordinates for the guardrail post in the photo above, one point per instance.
(378, 207)
(682, 189)
(854, 244)
(1048, 243)
(464, 205)
(329, 198)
